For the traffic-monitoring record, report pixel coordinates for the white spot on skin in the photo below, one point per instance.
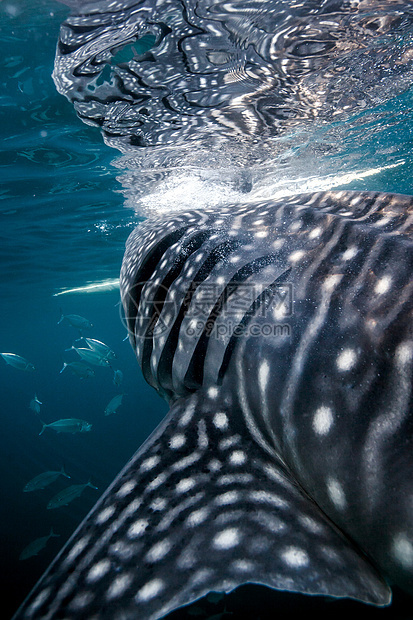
(402, 549)
(158, 551)
(268, 498)
(237, 457)
(121, 550)
(336, 493)
(322, 420)
(235, 478)
(105, 515)
(186, 417)
(309, 524)
(186, 461)
(221, 421)
(186, 560)
(349, 253)
(382, 222)
(263, 374)
(137, 528)
(197, 517)
(404, 353)
(214, 465)
(185, 485)
(98, 571)
(243, 566)
(133, 507)
(227, 498)
(177, 441)
(150, 590)
(316, 232)
(383, 285)
(119, 586)
(295, 226)
(295, 557)
(77, 549)
(201, 576)
(157, 482)
(149, 463)
(332, 281)
(227, 539)
(81, 600)
(38, 601)
(278, 244)
(224, 444)
(159, 504)
(202, 435)
(296, 256)
(346, 360)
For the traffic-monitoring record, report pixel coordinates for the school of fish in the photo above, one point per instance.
(95, 353)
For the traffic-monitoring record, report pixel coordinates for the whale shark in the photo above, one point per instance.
(281, 335)
(279, 331)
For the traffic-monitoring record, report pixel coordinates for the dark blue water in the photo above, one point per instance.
(64, 225)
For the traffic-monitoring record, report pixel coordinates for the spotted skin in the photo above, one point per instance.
(286, 457)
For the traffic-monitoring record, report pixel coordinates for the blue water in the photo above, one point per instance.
(64, 225)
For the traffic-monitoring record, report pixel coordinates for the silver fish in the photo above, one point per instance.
(41, 481)
(68, 425)
(35, 404)
(117, 377)
(17, 361)
(75, 320)
(37, 545)
(79, 369)
(114, 404)
(100, 347)
(91, 356)
(64, 497)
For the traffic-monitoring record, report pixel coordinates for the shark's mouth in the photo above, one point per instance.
(279, 329)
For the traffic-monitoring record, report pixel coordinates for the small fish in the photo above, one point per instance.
(79, 322)
(17, 361)
(68, 425)
(44, 479)
(79, 369)
(113, 405)
(37, 545)
(64, 497)
(100, 347)
(35, 404)
(117, 377)
(91, 357)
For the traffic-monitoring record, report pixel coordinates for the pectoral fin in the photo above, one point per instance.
(200, 507)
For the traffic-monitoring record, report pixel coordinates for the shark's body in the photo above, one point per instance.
(280, 332)
(286, 458)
